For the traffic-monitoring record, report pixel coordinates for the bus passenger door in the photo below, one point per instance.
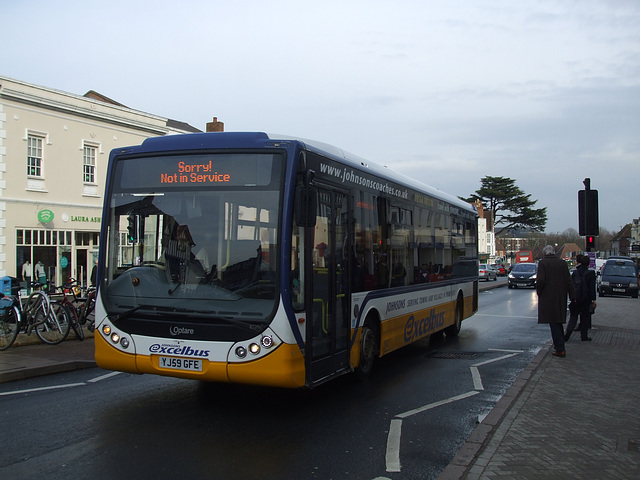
(331, 294)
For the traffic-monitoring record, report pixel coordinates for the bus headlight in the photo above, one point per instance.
(106, 329)
(254, 348)
(124, 341)
(267, 341)
(241, 352)
(115, 338)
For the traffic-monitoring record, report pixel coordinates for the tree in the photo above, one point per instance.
(510, 208)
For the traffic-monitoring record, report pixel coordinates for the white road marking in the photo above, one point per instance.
(477, 380)
(104, 377)
(494, 360)
(57, 387)
(503, 316)
(395, 429)
(40, 389)
(436, 404)
(393, 446)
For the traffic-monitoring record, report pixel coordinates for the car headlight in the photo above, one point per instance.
(510, 275)
(534, 276)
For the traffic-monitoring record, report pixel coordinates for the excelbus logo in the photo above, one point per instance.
(417, 328)
(183, 351)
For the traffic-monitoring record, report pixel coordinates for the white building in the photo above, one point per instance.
(486, 234)
(54, 149)
(634, 240)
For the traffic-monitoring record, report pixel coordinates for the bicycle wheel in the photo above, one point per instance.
(87, 315)
(37, 301)
(54, 327)
(75, 322)
(9, 327)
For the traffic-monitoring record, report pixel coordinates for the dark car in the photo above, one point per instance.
(523, 275)
(619, 276)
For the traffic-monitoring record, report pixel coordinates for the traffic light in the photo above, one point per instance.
(132, 233)
(590, 243)
(588, 223)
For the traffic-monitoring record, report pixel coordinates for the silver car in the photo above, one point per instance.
(487, 272)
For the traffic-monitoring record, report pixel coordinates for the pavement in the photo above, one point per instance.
(29, 357)
(563, 418)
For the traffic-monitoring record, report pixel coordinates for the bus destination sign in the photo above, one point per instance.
(195, 173)
(200, 171)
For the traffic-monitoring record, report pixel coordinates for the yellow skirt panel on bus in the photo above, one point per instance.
(283, 367)
(354, 356)
(405, 329)
(468, 307)
(110, 358)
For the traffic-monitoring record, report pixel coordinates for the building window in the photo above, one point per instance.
(34, 156)
(89, 164)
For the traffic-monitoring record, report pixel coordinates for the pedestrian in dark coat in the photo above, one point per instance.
(553, 285)
(585, 301)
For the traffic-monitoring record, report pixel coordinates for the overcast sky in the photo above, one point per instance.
(544, 92)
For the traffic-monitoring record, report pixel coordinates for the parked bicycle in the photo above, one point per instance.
(49, 319)
(70, 289)
(86, 309)
(84, 299)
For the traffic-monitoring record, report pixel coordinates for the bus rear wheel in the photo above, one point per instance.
(454, 330)
(368, 351)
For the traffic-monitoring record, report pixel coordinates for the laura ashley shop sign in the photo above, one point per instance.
(68, 218)
(80, 218)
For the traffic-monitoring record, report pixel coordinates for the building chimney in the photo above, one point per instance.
(215, 126)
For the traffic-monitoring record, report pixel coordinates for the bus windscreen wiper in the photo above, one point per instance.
(240, 323)
(125, 314)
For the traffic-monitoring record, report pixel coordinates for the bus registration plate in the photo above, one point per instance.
(181, 363)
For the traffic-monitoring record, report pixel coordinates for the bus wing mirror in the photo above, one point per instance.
(306, 206)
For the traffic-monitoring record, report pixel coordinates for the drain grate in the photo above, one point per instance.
(454, 355)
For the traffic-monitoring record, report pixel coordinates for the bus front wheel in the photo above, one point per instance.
(368, 351)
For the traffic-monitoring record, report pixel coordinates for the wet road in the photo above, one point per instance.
(406, 422)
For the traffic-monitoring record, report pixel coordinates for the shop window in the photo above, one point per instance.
(84, 238)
